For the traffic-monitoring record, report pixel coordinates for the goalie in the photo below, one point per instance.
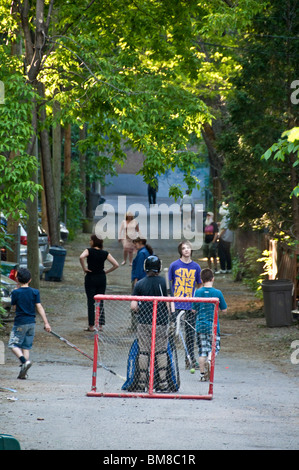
(152, 285)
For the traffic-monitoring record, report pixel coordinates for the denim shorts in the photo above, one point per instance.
(204, 343)
(22, 336)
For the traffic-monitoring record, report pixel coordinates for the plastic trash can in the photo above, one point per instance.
(55, 273)
(277, 295)
(8, 442)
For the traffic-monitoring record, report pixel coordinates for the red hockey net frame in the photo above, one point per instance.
(150, 393)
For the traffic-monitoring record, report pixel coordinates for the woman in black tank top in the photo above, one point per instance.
(95, 276)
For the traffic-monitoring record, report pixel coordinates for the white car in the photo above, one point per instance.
(23, 260)
(6, 288)
(45, 258)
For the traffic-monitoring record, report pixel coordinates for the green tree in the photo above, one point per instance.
(287, 150)
(259, 110)
(152, 74)
(16, 164)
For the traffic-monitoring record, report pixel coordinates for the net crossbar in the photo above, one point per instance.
(114, 355)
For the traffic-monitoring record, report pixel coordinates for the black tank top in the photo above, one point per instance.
(96, 260)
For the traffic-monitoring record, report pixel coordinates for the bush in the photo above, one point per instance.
(250, 271)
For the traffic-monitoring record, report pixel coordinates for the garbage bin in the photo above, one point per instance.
(55, 273)
(277, 295)
(8, 442)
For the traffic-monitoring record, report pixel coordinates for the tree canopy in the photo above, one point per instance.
(158, 76)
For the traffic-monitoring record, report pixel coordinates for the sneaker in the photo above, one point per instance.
(163, 387)
(202, 377)
(208, 370)
(139, 387)
(139, 390)
(24, 369)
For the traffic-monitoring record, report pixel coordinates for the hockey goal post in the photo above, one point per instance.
(117, 356)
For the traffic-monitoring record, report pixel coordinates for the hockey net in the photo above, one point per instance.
(157, 360)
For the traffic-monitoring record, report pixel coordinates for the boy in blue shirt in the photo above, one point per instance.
(143, 251)
(204, 322)
(26, 301)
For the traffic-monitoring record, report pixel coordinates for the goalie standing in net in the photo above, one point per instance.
(152, 285)
(204, 322)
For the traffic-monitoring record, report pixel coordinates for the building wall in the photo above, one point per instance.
(128, 182)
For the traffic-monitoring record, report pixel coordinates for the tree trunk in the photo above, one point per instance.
(12, 230)
(47, 173)
(32, 210)
(82, 156)
(56, 160)
(67, 161)
(32, 237)
(67, 153)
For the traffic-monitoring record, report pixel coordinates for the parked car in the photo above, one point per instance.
(6, 288)
(3, 228)
(43, 242)
(23, 260)
(46, 259)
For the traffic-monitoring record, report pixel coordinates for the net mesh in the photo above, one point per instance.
(154, 351)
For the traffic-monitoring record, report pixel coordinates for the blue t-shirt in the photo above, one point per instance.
(205, 311)
(25, 299)
(138, 264)
(184, 277)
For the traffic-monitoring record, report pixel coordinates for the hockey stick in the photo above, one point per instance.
(189, 324)
(171, 336)
(4, 389)
(87, 355)
(172, 306)
(178, 332)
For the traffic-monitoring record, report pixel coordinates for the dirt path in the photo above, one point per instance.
(51, 411)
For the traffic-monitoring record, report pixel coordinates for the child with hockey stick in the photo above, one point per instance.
(25, 300)
(204, 322)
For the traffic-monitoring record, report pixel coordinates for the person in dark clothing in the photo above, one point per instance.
(152, 285)
(25, 302)
(95, 278)
(152, 190)
(143, 251)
